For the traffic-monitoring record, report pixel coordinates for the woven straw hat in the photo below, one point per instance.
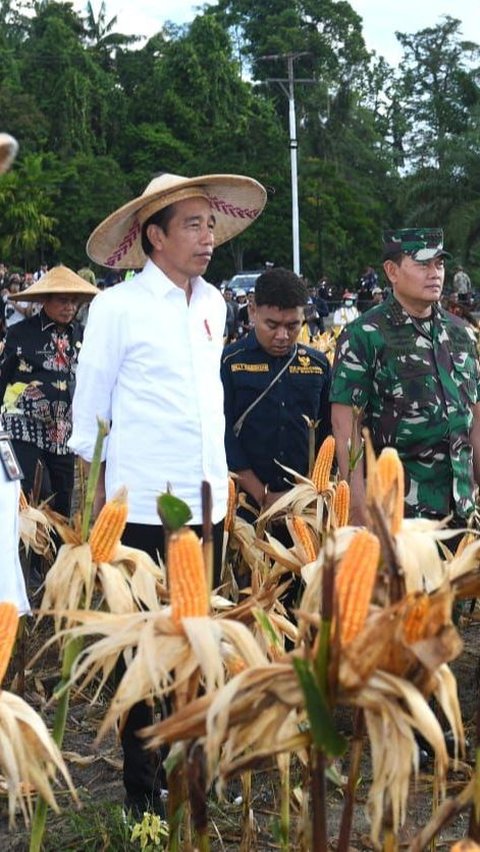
(8, 151)
(236, 202)
(58, 281)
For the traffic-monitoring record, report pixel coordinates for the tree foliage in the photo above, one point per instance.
(98, 113)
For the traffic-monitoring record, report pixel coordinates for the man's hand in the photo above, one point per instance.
(271, 497)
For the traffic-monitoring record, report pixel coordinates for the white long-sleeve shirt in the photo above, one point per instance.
(150, 364)
(12, 584)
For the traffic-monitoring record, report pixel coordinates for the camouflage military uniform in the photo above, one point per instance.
(416, 380)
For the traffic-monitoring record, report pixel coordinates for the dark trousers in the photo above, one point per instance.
(56, 487)
(143, 772)
(58, 474)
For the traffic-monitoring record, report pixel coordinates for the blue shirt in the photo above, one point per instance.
(276, 428)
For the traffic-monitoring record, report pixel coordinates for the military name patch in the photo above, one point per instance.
(306, 370)
(249, 368)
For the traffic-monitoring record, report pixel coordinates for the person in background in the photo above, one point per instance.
(37, 375)
(231, 323)
(347, 312)
(246, 313)
(271, 385)
(16, 309)
(310, 323)
(369, 278)
(40, 272)
(321, 309)
(87, 273)
(411, 368)
(377, 296)
(150, 367)
(461, 284)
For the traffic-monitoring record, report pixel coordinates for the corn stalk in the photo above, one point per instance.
(317, 689)
(73, 647)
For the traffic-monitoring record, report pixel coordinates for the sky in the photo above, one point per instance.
(380, 18)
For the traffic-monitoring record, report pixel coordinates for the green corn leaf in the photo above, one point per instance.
(323, 732)
(174, 513)
(266, 627)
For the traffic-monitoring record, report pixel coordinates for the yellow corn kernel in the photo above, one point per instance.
(303, 537)
(323, 464)
(235, 664)
(341, 503)
(390, 481)
(8, 633)
(465, 845)
(416, 617)
(186, 575)
(108, 527)
(354, 583)
(231, 506)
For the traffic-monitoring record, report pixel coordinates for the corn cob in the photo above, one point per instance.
(354, 583)
(108, 527)
(391, 486)
(323, 464)
(416, 618)
(22, 501)
(341, 503)
(303, 536)
(8, 633)
(186, 575)
(231, 506)
(235, 664)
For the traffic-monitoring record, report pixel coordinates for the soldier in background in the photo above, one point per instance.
(412, 368)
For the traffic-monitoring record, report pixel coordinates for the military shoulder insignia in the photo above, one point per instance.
(304, 360)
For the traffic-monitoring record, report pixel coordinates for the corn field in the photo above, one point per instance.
(310, 692)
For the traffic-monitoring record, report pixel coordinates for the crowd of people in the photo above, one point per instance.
(195, 383)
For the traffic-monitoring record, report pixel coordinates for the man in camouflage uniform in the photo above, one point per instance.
(412, 367)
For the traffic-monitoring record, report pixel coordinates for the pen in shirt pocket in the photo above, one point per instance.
(207, 329)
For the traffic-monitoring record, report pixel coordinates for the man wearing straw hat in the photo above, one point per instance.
(37, 374)
(150, 366)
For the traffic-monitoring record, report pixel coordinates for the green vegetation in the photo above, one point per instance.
(97, 113)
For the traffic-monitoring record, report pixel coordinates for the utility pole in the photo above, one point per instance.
(289, 91)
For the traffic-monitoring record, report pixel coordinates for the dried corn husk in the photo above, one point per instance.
(29, 759)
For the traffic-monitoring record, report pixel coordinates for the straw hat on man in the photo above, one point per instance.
(150, 365)
(58, 281)
(236, 201)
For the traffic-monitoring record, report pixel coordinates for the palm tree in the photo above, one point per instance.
(101, 37)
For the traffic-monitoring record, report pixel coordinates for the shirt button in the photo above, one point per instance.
(282, 404)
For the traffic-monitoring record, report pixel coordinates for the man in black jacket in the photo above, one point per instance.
(273, 387)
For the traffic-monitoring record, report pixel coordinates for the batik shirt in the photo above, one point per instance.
(37, 373)
(416, 381)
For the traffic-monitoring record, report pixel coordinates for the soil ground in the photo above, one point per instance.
(97, 775)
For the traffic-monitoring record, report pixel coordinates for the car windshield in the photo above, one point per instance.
(244, 280)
